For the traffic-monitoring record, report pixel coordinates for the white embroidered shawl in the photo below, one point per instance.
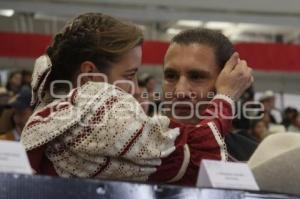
(100, 131)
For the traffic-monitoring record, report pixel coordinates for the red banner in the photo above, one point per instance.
(267, 56)
(260, 56)
(23, 45)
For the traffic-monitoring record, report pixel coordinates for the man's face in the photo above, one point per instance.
(259, 129)
(269, 104)
(16, 80)
(151, 85)
(190, 72)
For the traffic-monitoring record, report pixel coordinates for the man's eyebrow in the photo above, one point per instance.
(201, 72)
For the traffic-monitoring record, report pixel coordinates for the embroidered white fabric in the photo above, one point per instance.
(40, 73)
(100, 131)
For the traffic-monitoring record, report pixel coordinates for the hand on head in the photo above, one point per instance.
(235, 77)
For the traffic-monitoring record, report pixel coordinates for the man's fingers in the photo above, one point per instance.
(241, 69)
(244, 73)
(252, 79)
(232, 62)
(250, 82)
(250, 71)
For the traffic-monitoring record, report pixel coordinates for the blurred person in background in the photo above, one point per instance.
(13, 86)
(141, 95)
(14, 83)
(4, 98)
(17, 81)
(259, 130)
(21, 111)
(295, 124)
(268, 100)
(26, 78)
(240, 143)
(265, 117)
(271, 115)
(150, 84)
(289, 114)
(272, 128)
(6, 115)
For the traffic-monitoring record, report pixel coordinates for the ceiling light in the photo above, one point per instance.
(218, 25)
(190, 23)
(173, 31)
(7, 12)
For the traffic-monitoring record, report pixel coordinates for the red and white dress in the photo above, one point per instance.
(99, 131)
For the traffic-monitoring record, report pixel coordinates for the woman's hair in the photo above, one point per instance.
(93, 37)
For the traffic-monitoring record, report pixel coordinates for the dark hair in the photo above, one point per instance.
(26, 73)
(215, 39)
(295, 116)
(93, 37)
(287, 121)
(291, 110)
(148, 79)
(141, 83)
(254, 123)
(8, 85)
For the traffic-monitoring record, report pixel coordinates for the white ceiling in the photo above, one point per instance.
(258, 20)
(280, 12)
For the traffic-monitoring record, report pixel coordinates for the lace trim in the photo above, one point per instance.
(220, 141)
(228, 99)
(184, 165)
